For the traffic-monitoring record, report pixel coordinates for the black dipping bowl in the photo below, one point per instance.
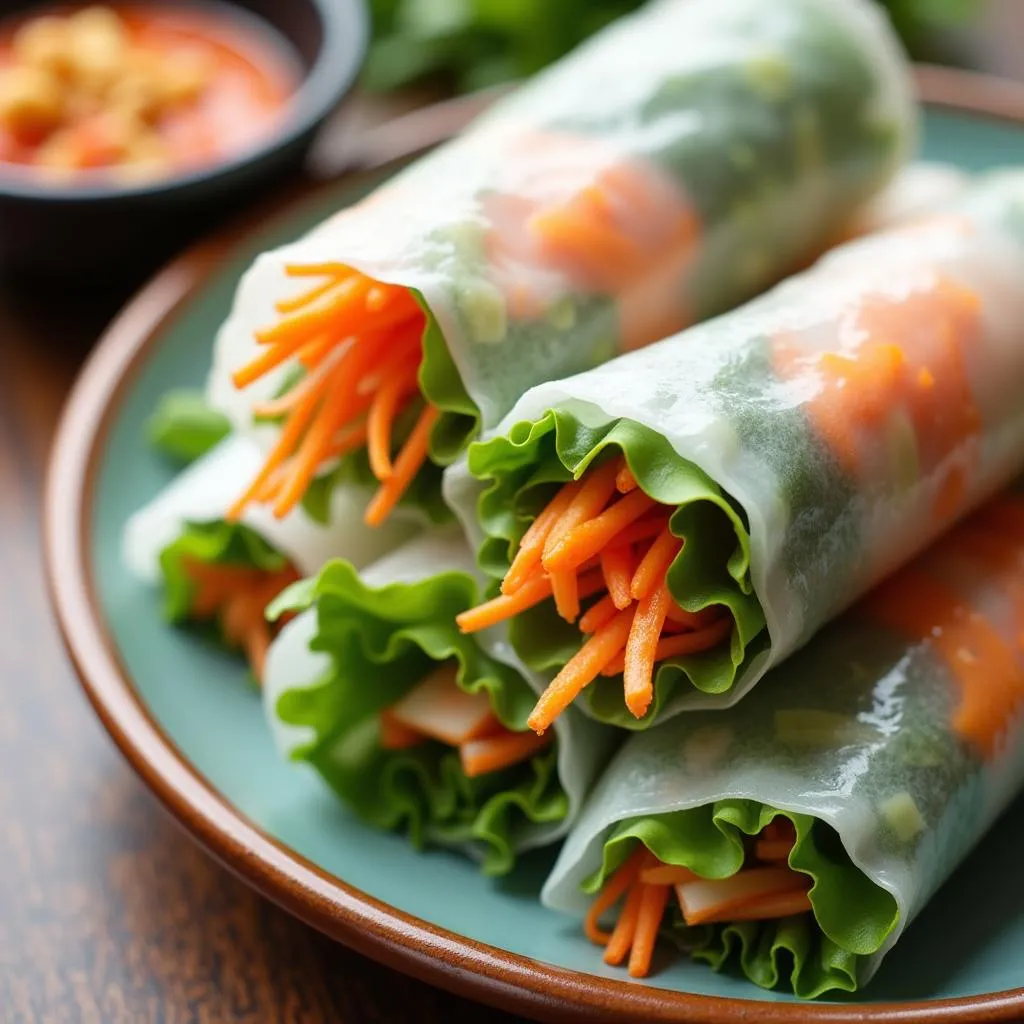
(90, 231)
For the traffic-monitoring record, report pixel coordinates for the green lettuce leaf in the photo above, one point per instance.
(812, 954)
(214, 542)
(392, 636)
(523, 469)
(184, 426)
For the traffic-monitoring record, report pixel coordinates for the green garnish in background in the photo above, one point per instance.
(470, 44)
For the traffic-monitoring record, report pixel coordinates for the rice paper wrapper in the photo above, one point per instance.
(732, 139)
(423, 571)
(901, 726)
(840, 422)
(204, 492)
(917, 189)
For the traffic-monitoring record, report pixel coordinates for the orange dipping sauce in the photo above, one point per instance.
(137, 92)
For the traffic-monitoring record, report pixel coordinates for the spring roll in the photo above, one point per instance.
(670, 525)
(411, 723)
(918, 189)
(224, 573)
(676, 164)
(799, 833)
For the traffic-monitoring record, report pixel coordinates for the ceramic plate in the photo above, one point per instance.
(185, 718)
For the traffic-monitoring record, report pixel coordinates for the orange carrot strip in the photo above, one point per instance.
(589, 538)
(610, 894)
(773, 849)
(532, 545)
(312, 353)
(682, 643)
(597, 615)
(644, 529)
(492, 753)
(297, 302)
(625, 928)
(654, 565)
(566, 594)
(597, 486)
(625, 481)
(783, 905)
(618, 566)
(346, 441)
(318, 270)
(313, 382)
(506, 606)
(645, 934)
(407, 465)
(581, 670)
(290, 434)
(641, 649)
(666, 874)
(340, 311)
(332, 414)
(394, 735)
(381, 419)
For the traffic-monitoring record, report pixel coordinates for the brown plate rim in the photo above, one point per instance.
(406, 943)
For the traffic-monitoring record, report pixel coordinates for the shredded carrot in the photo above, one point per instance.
(591, 537)
(360, 342)
(618, 566)
(317, 270)
(530, 593)
(625, 928)
(597, 615)
(613, 890)
(645, 934)
(681, 643)
(654, 565)
(492, 753)
(566, 594)
(381, 417)
(597, 486)
(644, 529)
(773, 849)
(641, 650)
(532, 545)
(237, 596)
(338, 310)
(581, 670)
(407, 465)
(625, 481)
(304, 299)
(666, 874)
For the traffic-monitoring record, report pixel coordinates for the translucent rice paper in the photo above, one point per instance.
(583, 746)
(919, 188)
(725, 401)
(901, 726)
(728, 139)
(206, 489)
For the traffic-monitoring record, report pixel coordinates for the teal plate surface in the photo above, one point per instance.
(969, 942)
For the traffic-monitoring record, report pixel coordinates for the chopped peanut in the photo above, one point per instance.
(43, 43)
(31, 102)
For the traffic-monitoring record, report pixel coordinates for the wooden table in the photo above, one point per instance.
(108, 912)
